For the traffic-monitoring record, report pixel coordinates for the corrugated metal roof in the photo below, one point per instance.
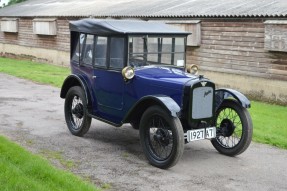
(113, 27)
(147, 8)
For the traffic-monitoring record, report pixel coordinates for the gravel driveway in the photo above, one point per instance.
(33, 116)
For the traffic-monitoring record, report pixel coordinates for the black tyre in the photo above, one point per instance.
(161, 137)
(76, 115)
(135, 124)
(234, 128)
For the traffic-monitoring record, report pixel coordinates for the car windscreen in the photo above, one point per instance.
(146, 50)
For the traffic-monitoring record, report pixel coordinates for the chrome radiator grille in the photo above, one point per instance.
(202, 102)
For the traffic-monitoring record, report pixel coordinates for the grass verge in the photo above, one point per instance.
(36, 72)
(270, 124)
(21, 170)
(269, 121)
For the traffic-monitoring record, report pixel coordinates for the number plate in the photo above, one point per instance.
(199, 134)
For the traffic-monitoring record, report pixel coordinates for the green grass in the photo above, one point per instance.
(269, 121)
(270, 124)
(21, 170)
(37, 72)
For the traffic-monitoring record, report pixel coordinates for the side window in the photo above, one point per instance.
(117, 53)
(88, 52)
(101, 51)
(79, 47)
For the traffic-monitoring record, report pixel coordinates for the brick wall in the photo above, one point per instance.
(237, 47)
(25, 36)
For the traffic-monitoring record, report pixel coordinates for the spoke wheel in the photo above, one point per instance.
(76, 115)
(77, 111)
(161, 137)
(234, 128)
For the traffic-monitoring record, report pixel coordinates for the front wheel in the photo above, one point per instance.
(76, 115)
(234, 128)
(161, 137)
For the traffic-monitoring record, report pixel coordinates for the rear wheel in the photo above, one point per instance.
(76, 115)
(234, 128)
(161, 137)
(135, 124)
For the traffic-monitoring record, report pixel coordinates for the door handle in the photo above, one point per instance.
(94, 77)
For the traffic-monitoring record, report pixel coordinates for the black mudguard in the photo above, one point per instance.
(74, 80)
(222, 94)
(169, 104)
(147, 101)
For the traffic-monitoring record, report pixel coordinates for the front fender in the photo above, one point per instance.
(140, 106)
(169, 104)
(222, 94)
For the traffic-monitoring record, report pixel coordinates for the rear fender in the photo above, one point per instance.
(74, 80)
(222, 94)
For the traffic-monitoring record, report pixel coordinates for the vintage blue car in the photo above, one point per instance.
(128, 71)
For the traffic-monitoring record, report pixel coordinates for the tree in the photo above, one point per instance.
(11, 2)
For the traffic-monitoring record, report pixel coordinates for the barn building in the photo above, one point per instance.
(237, 43)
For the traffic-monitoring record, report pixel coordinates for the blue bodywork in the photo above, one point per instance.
(111, 97)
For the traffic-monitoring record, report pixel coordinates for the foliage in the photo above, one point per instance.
(21, 170)
(11, 2)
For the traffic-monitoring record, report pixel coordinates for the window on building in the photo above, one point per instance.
(117, 53)
(101, 51)
(44, 26)
(9, 25)
(275, 35)
(192, 26)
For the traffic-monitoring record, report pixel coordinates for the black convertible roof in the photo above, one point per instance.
(115, 27)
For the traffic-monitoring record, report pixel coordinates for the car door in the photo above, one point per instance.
(82, 60)
(107, 79)
(86, 63)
